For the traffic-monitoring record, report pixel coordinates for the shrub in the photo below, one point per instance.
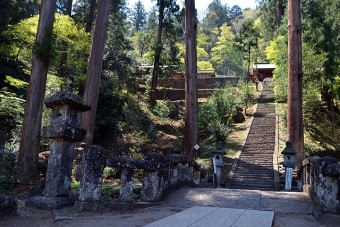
(110, 172)
(111, 104)
(7, 177)
(215, 116)
(162, 110)
(246, 93)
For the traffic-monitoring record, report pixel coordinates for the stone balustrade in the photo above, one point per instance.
(321, 180)
(161, 175)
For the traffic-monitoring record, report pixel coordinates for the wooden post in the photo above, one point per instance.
(294, 115)
(190, 133)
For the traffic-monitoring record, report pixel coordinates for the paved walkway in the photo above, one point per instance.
(218, 217)
(290, 209)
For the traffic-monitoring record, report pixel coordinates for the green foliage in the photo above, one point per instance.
(203, 58)
(138, 16)
(215, 116)
(135, 152)
(7, 174)
(111, 104)
(225, 55)
(15, 82)
(311, 97)
(323, 20)
(336, 87)
(65, 32)
(246, 93)
(248, 40)
(75, 185)
(13, 11)
(117, 58)
(217, 15)
(277, 51)
(11, 111)
(110, 172)
(45, 49)
(162, 110)
(204, 65)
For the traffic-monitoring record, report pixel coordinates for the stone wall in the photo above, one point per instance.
(321, 180)
(174, 88)
(202, 83)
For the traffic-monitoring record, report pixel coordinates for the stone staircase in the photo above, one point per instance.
(254, 169)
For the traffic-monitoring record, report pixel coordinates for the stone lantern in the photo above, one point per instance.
(64, 131)
(289, 155)
(217, 164)
(288, 162)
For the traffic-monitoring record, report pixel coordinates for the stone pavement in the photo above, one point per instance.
(290, 209)
(217, 217)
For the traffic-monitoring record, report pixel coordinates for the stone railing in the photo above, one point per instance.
(321, 180)
(161, 175)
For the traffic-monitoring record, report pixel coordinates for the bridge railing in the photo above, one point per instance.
(321, 180)
(161, 175)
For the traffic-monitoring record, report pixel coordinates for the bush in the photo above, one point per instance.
(246, 93)
(111, 104)
(110, 172)
(162, 110)
(7, 177)
(215, 116)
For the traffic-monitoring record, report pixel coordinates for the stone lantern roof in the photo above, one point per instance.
(68, 98)
(289, 150)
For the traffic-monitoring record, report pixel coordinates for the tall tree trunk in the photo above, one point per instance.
(30, 135)
(279, 12)
(90, 16)
(94, 68)
(63, 57)
(158, 52)
(69, 7)
(295, 73)
(190, 131)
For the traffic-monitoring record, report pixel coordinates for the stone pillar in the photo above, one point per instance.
(197, 177)
(152, 186)
(91, 179)
(183, 172)
(77, 164)
(64, 132)
(191, 174)
(327, 188)
(126, 185)
(174, 174)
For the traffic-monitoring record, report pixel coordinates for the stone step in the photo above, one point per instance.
(256, 172)
(253, 183)
(255, 157)
(255, 164)
(254, 177)
(252, 187)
